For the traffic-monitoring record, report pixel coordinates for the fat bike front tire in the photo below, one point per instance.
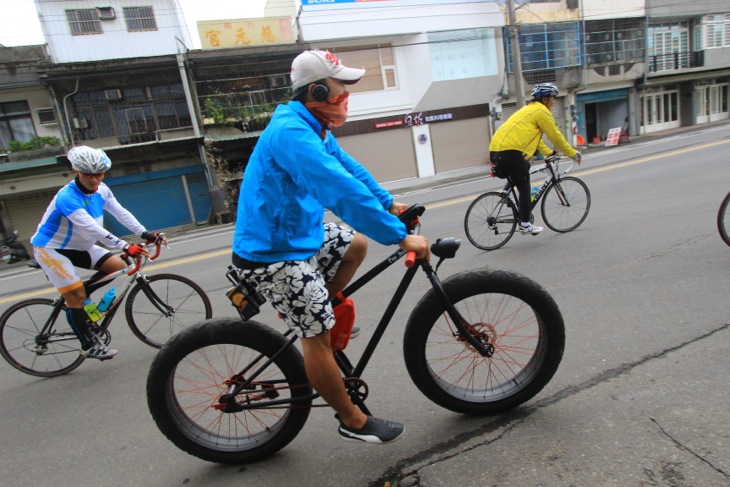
(509, 311)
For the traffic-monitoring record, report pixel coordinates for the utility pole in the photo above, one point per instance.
(514, 36)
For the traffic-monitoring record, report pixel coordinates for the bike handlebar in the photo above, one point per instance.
(556, 161)
(138, 258)
(413, 226)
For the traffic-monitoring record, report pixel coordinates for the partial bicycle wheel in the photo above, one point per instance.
(490, 221)
(723, 219)
(513, 314)
(165, 305)
(196, 367)
(24, 347)
(565, 204)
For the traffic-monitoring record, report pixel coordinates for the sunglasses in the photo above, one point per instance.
(93, 175)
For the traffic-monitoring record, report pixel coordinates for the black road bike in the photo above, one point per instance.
(479, 342)
(492, 218)
(35, 337)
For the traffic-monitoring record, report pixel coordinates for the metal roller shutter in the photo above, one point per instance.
(388, 155)
(159, 199)
(460, 144)
(26, 211)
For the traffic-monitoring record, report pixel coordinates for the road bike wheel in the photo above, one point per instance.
(490, 221)
(509, 311)
(22, 345)
(196, 367)
(723, 219)
(164, 305)
(565, 204)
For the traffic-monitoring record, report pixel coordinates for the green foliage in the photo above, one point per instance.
(35, 143)
(214, 110)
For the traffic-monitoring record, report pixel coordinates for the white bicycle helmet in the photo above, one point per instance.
(545, 89)
(89, 160)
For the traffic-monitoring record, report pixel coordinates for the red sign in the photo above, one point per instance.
(394, 123)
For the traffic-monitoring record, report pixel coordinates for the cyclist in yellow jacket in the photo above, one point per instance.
(520, 137)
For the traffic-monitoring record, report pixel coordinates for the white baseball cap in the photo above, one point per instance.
(311, 66)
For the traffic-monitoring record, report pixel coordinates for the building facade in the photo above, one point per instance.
(180, 124)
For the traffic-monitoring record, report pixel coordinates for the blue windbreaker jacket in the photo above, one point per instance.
(295, 173)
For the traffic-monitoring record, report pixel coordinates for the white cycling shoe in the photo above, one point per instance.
(531, 229)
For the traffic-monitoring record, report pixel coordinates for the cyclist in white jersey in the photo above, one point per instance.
(67, 237)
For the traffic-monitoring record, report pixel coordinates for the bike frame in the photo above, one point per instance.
(553, 179)
(446, 248)
(99, 280)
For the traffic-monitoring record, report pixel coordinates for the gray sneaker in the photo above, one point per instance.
(355, 332)
(532, 229)
(99, 351)
(376, 431)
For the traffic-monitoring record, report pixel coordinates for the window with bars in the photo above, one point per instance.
(16, 123)
(140, 19)
(614, 41)
(717, 31)
(547, 46)
(84, 21)
(142, 109)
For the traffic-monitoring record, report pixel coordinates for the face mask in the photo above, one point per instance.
(332, 112)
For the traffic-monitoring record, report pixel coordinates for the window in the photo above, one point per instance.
(612, 41)
(16, 123)
(462, 54)
(668, 46)
(139, 19)
(84, 21)
(130, 111)
(379, 64)
(547, 46)
(717, 31)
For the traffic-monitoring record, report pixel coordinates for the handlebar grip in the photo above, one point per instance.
(410, 259)
(158, 249)
(137, 265)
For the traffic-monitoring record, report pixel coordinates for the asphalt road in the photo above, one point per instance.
(640, 397)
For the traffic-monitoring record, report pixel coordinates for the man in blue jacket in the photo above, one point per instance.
(280, 242)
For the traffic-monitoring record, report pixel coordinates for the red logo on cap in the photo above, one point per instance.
(332, 58)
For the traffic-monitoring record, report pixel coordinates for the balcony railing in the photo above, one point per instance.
(676, 60)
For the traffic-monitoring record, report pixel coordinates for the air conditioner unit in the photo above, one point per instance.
(46, 116)
(106, 13)
(80, 123)
(278, 81)
(113, 95)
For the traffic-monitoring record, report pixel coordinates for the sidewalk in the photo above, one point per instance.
(648, 433)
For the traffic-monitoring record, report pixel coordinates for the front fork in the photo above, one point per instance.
(463, 328)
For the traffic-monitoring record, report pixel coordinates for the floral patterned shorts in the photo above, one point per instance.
(296, 288)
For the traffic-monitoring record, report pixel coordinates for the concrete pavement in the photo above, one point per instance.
(663, 422)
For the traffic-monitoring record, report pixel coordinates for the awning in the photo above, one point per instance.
(679, 78)
(14, 166)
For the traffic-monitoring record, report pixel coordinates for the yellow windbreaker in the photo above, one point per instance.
(523, 132)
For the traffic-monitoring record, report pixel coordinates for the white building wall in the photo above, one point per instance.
(610, 9)
(115, 42)
(374, 19)
(37, 98)
(393, 22)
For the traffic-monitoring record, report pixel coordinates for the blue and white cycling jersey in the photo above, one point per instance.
(74, 220)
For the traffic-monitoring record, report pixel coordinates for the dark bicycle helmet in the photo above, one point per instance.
(545, 89)
(89, 160)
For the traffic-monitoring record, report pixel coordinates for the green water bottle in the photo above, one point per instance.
(91, 310)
